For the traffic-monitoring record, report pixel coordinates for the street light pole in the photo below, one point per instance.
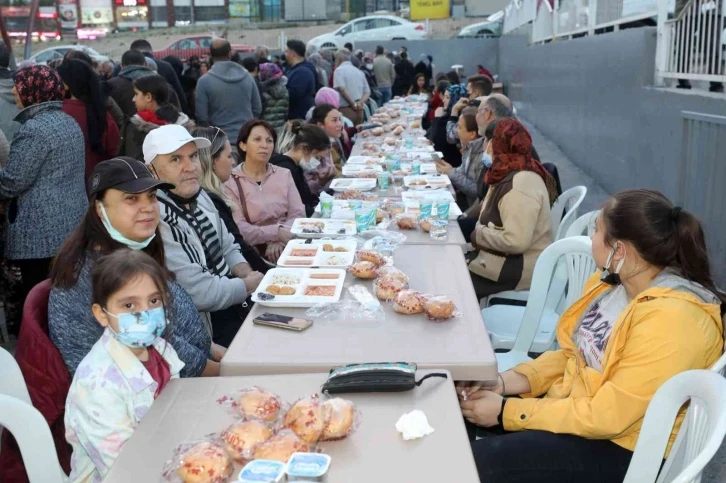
(29, 34)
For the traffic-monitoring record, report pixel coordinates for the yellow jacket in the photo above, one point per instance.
(659, 334)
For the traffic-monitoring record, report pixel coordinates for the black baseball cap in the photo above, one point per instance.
(125, 174)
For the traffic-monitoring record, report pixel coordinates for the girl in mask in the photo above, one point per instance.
(123, 213)
(652, 313)
(119, 379)
(306, 148)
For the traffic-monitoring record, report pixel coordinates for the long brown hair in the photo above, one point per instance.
(91, 236)
(664, 235)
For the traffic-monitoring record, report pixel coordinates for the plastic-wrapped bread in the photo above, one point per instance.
(257, 403)
(281, 446)
(242, 437)
(340, 416)
(205, 462)
(306, 419)
(398, 131)
(408, 302)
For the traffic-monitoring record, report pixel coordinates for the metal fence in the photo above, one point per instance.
(692, 45)
(702, 172)
(557, 19)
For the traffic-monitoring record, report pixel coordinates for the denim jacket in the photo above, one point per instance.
(109, 395)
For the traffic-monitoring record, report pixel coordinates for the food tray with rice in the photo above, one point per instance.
(427, 182)
(318, 253)
(319, 228)
(361, 184)
(299, 287)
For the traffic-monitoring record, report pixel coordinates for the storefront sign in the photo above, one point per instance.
(68, 13)
(430, 9)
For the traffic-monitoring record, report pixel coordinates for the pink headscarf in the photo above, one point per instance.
(326, 95)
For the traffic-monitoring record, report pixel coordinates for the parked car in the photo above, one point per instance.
(196, 45)
(491, 28)
(375, 27)
(46, 55)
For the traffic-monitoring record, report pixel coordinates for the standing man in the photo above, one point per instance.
(352, 86)
(405, 72)
(385, 74)
(262, 54)
(164, 69)
(208, 264)
(227, 97)
(301, 77)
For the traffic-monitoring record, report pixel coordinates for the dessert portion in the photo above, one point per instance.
(241, 438)
(205, 463)
(258, 403)
(408, 302)
(306, 419)
(280, 290)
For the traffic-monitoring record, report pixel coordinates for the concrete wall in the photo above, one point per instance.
(467, 52)
(593, 97)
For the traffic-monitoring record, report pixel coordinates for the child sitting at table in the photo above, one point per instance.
(118, 380)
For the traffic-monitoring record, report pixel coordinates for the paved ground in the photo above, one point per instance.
(571, 175)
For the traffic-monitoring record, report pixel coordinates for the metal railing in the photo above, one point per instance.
(692, 45)
(558, 19)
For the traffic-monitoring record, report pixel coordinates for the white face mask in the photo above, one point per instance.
(309, 165)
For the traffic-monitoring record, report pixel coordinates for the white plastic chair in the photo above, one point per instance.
(720, 365)
(33, 436)
(571, 200)
(584, 225)
(27, 424)
(702, 432)
(532, 328)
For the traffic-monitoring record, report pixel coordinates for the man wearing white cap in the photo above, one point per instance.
(200, 251)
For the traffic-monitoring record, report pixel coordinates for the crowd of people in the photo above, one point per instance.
(122, 186)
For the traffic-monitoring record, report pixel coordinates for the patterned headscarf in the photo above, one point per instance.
(269, 71)
(456, 92)
(37, 84)
(512, 151)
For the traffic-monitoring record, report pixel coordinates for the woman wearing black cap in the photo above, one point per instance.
(123, 213)
(86, 103)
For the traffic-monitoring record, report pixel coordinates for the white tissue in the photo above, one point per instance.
(414, 425)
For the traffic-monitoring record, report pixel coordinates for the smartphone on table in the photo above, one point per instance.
(283, 321)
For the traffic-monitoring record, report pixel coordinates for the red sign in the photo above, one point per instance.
(130, 3)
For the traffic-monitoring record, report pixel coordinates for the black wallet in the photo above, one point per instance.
(374, 377)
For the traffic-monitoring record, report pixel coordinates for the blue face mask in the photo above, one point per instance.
(139, 329)
(486, 160)
(116, 235)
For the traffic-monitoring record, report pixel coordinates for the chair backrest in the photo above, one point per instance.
(12, 382)
(569, 200)
(33, 436)
(705, 425)
(720, 365)
(584, 225)
(549, 280)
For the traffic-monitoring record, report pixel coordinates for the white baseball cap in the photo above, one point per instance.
(167, 139)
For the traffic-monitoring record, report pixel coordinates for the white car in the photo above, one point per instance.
(491, 28)
(46, 55)
(375, 28)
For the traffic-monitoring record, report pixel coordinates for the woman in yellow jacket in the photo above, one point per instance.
(653, 312)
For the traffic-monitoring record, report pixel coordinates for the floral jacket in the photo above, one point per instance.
(109, 395)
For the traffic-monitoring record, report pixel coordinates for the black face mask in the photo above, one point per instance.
(608, 277)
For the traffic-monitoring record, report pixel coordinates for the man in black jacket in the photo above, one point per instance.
(164, 69)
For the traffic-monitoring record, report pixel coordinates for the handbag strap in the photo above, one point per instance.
(242, 199)
(433, 374)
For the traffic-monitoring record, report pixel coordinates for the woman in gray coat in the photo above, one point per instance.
(43, 183)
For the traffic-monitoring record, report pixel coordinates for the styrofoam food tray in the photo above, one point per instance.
(304, 278)
(370, 160)
(426, 168)
(328, 227)
(360, 184)
(359, 169)
(292, 257)
(337, 205)
(418, 195)
(432, 182)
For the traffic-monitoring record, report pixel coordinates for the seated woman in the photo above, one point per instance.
(437, 99)
(217, 165)
(264, 198)
(465, 177)
(514, 223)
(654, 312)
(330, 120)
(307, 141)
(436, 133)
(419, 86)
(123, 213)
